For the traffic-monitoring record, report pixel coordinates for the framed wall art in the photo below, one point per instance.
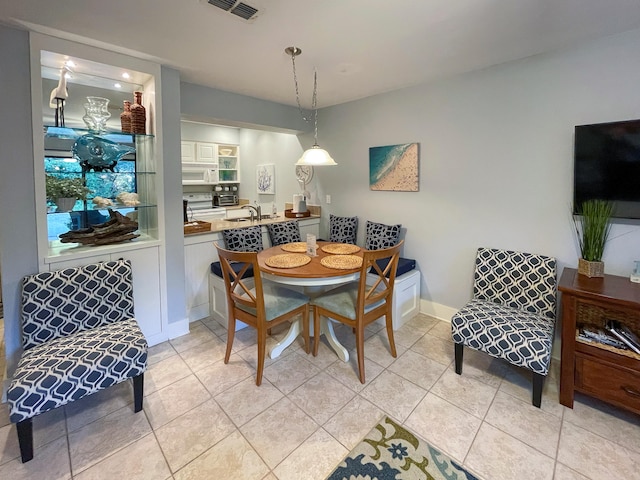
(266, 178)
(394, 168)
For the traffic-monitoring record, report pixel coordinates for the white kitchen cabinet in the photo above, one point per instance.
(188, 151)
(206, 152)
(197, 260)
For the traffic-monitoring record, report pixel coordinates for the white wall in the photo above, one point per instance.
(496, 160)
(281, 149)
(18, 241)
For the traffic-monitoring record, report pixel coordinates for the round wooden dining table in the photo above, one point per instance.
(313, 278)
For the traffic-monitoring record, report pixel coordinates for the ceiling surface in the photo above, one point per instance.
(359, 47)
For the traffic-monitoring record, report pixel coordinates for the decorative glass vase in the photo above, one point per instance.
(97, 114)
(125, 118)
(138, 115)
(97, 153)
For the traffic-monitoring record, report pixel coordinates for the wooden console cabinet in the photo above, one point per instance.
(607, 373)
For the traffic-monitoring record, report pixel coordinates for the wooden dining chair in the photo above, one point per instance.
(261, 305)
(359, 303)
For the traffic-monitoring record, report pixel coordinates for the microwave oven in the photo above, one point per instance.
(203, 174)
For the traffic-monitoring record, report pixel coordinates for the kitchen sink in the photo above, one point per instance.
(236, 220)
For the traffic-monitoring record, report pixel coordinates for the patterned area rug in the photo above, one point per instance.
(391, 452)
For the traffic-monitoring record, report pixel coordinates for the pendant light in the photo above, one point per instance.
(315, 156)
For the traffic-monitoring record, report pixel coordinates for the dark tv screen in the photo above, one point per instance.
(607, 166)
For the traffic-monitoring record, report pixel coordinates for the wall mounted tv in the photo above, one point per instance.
(607, 166)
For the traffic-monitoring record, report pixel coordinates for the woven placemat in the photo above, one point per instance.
(340, 248)
(288, 260)
(342, 262)
(295, 247)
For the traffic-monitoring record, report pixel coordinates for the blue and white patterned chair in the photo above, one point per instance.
(284, 232)
(512, 314)
(79, 336)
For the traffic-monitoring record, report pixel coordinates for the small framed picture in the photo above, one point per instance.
(266, 178)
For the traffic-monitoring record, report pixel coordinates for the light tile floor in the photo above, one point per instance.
(206, 420)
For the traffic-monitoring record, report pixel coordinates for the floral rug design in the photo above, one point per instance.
(391, 452)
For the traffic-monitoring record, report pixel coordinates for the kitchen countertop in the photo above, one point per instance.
(219, 225)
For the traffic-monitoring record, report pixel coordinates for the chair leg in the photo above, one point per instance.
(458, 353)
(138, 392)
(231, 331)
(262, 343)
(392, 342)
(316, 331)
(538, 383)
(305, 330)
(360, 350)
(25, 439)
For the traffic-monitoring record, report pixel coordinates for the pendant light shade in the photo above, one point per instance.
(316, 156)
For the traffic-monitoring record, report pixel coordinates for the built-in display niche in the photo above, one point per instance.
(100, 185)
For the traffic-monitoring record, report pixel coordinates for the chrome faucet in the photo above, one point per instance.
(255, 212)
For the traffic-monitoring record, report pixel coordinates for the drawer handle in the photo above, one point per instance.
(631, 391)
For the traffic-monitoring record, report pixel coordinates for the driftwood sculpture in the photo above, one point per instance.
(117, 229)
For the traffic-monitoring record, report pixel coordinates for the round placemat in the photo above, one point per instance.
(295, 247)
(288, 260)
(342, 262)
(340, 248)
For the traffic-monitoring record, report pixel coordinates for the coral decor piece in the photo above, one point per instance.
(128, 199)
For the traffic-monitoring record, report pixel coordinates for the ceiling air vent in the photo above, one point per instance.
(244, 11)
(237, 8)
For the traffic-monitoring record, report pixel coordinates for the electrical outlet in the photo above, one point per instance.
(328, 199)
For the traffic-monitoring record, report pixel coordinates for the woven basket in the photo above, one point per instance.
(590, 269)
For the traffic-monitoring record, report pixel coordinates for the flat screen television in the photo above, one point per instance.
(607, 166)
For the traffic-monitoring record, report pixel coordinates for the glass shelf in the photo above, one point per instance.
(73, 133)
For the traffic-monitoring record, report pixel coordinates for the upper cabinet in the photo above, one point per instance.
(206, 163)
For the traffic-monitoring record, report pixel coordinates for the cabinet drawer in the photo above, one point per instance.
(608, 382)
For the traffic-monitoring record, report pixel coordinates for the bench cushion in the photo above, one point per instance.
(523, 338)
(404, 265)
(216, 269)
(57, 372)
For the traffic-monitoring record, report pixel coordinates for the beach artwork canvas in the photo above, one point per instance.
(266, 178)
(394, 168)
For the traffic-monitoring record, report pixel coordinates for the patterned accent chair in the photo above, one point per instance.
(512, 314)
(79, 336)
(284, 232)
(379, 235)
(343, 229)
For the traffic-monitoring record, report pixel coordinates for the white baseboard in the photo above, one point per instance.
(199, 312)
(177, 329)
(437, 310)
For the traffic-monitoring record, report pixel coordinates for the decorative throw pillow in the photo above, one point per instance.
(243, 239)
(284, 232)
(343, 229)
(381, 236)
